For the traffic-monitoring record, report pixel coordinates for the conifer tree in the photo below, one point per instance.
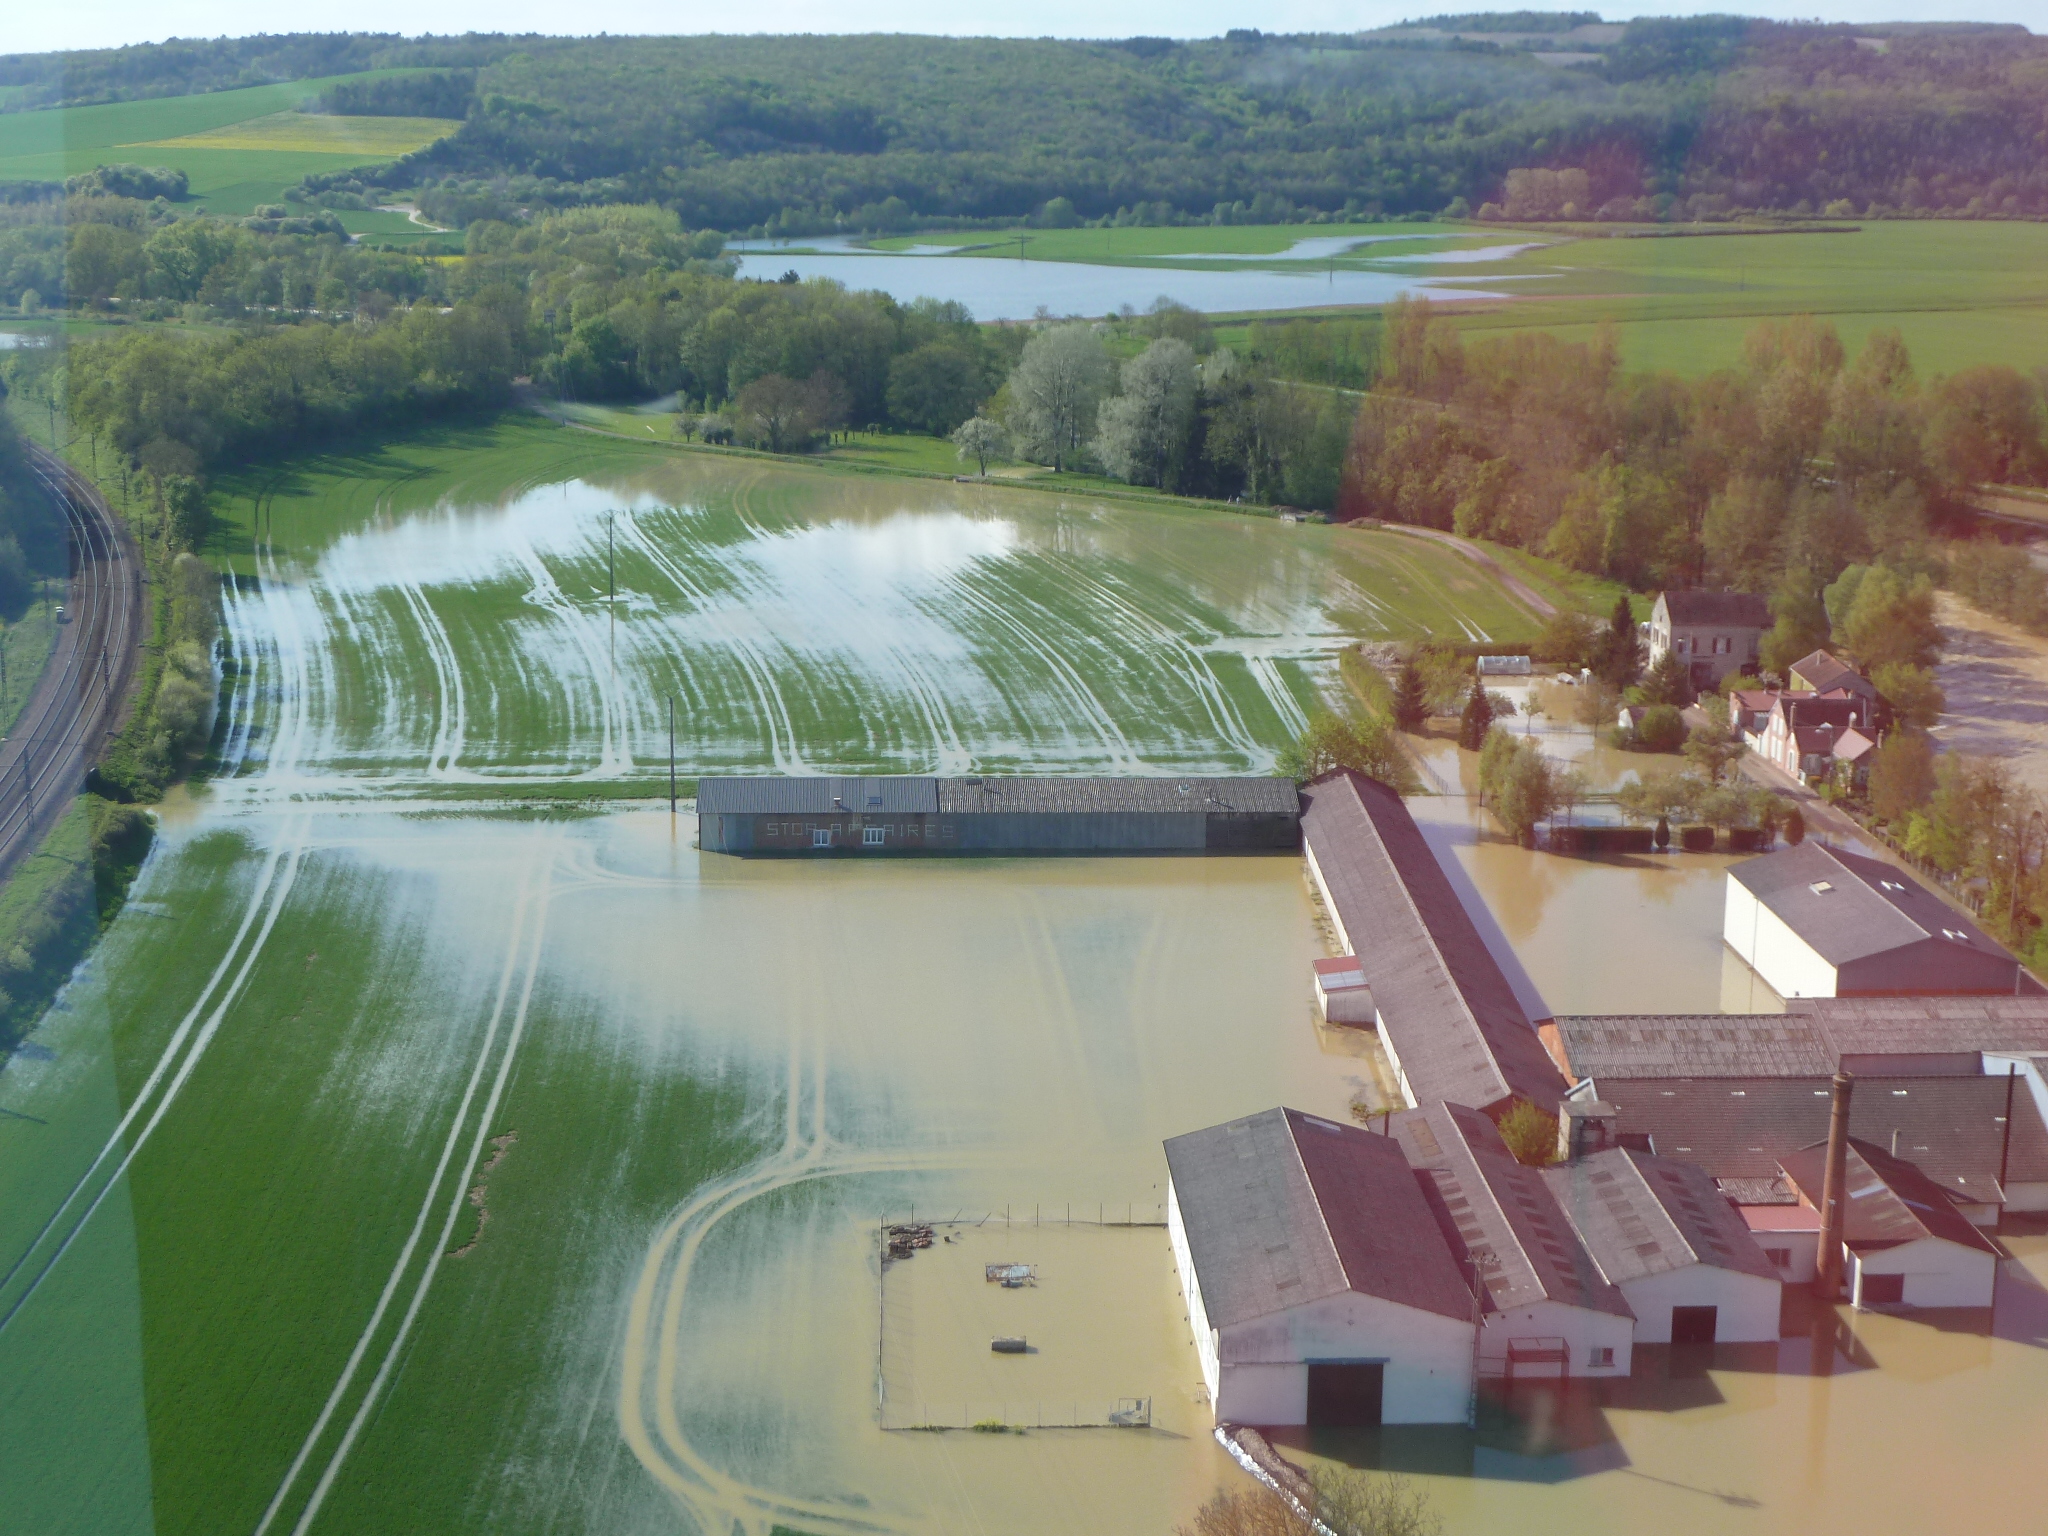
(1477, 719)
(1411, 697)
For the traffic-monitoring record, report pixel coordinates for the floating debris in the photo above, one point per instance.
(1008, 1346)
(1011, 1276)
(907, 1239)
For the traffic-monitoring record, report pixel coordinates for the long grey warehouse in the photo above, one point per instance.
(827, 815)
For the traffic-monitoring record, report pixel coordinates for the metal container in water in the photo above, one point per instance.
(1007, 1346)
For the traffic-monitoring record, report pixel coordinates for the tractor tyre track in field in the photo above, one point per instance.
(528, 930)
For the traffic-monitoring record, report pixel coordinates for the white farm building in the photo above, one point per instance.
(1663, 1232)
(1318, 1286)
(1823, 922)
(1906, 1243)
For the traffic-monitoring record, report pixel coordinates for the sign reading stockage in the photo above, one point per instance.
(898, 814)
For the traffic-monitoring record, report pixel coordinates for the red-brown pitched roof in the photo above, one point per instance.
(1283, 1208)
(1889, 1200)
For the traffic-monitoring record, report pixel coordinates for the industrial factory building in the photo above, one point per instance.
(1953, 1085)
(1318, 1287)
(1446, 1013)
(1547, 1310)
(1682, 1257)
(1823, 922)
(825, 815)
(1904, 1242)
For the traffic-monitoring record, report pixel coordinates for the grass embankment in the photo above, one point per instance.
(239, 148)
(25, 646)
(58, 901)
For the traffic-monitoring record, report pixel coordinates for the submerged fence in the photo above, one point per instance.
(1000, 1418)
(906, 1399)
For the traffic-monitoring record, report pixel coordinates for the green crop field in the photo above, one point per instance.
(457, 589)
(229, 143)
(384, 137)
(1960, 292)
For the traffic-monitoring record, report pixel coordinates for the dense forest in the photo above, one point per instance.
(1695, 118)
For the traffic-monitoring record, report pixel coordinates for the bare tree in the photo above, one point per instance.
(1338, 1499)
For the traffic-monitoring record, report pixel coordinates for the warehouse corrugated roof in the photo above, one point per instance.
(1283, 1208)
(814, 794)
(1500, 1215)
(1195, 796)
(1889, 1200)
(1641, 1215)
(1444, 1004)
(1902, 1025)
(1691, 1045)
(1739, 1128)
(1846, 906)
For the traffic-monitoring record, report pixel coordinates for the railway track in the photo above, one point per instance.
(77, 702)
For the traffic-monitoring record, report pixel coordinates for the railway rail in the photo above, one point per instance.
(78, 700)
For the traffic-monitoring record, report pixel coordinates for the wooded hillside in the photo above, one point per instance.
(1676, 118)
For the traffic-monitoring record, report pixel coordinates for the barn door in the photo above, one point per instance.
(1345, 1396)
(1694, 1325)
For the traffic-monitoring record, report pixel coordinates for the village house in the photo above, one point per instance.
(1826, 676)
(1713, 633)
(1814, 921)
(1814, 738)
(1318, 1285)
(1546, 1309)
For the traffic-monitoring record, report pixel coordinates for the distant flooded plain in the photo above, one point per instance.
(452, 1164)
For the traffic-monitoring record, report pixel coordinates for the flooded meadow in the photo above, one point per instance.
(411, 1156)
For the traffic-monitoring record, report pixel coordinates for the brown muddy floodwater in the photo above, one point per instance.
(1013, 1039)
(971, 1039)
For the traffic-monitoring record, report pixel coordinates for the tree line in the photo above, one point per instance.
(1776, 476)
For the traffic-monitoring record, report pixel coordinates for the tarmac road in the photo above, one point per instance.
(78, 702)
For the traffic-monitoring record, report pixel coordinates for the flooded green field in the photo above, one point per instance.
(462, 619)
(411, 1158)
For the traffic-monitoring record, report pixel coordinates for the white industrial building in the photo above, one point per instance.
(1662, 1231)
(1319, 1288)
(1904, 1240)
(1547, 1309)
(1822, 922)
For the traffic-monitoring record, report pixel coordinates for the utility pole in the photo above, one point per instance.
(671, 754)
(611, 587)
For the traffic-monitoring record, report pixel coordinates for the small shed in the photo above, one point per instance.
(1815, 921)
(1318, 1286)
(1904, 1241)
(1342, 995)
